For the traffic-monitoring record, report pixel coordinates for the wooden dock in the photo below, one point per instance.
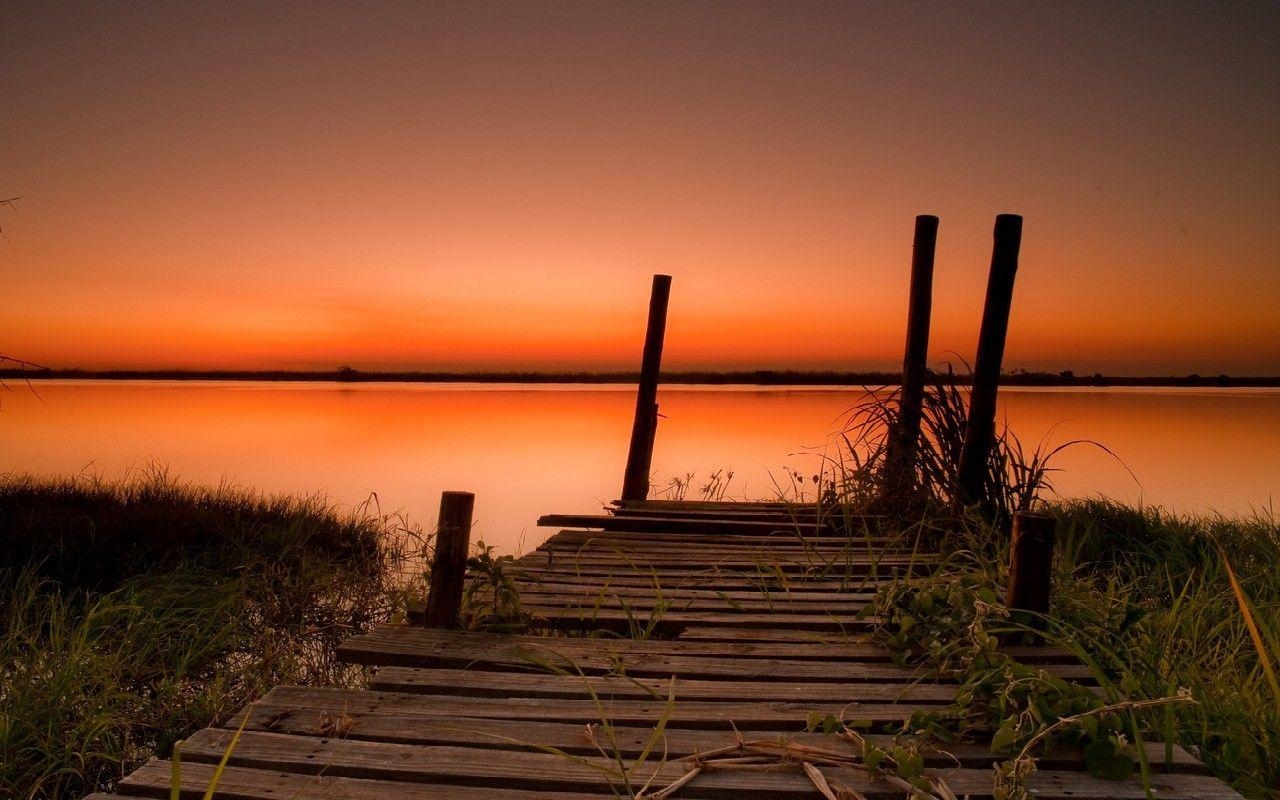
(753, 617)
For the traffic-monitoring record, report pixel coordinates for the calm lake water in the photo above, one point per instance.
(527, 450)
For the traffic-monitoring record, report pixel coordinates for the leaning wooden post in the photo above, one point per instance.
(901, 456)
(448, 568)
(635, 482)
(1031, 566)
(979, 434)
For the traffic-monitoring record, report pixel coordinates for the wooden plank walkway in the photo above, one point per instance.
(765, 631)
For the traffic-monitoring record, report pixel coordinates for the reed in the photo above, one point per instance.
(863, 477)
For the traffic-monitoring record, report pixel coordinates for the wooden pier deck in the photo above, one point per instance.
(762, 610)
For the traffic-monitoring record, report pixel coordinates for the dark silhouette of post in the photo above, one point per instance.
(1031, 567)
(901, 456)
(979, 434)
(449, 566)
(635, 482)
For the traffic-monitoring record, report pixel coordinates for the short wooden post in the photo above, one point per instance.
(901, 455)
(1031, 566)
(635, 482)
(448, 568)
(980, 431)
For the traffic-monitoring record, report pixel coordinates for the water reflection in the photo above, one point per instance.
(529, 450)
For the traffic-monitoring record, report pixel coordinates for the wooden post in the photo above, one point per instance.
(635, 482)
(901, 456)
(1031, 566)
(448, 568)
(980, 432)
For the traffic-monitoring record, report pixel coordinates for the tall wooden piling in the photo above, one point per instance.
(449, 566)
(1031, 566)
(635, 482)
(903, 439)
(980, 432)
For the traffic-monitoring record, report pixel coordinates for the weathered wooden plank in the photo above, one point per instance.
(392, 725)
(702, 603)
(715, 634)
(659, 666)
(687, 509)
(710, 505)
(240, 783)
(585, 607)
(710, 552)
(852, 574)
(247, 784)
(804, 564)
(475, 683)
(415, 764)
(732, 556)
(416, 647)
(580, 592)
(781, 540)
(672, 622)
(649, 524)
(745, 715)
(771, 584)
(478, 647)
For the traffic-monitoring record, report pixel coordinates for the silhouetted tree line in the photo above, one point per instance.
(765, 377)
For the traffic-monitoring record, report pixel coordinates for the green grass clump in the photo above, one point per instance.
(1162, 601)
(137, 612)
(1176, 615)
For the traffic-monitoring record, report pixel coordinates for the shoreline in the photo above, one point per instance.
(704, 378)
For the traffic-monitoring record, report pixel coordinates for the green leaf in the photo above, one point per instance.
(1005, 735)
(872, 756)
(911, 764)
(1103, 760)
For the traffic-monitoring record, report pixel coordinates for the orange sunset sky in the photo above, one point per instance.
(485, 185)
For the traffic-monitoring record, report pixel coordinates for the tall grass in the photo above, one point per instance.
(137, 612)
(867, 476)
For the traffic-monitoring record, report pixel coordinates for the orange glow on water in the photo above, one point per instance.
(531, 451)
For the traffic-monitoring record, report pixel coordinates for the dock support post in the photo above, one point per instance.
(449, 566)
(635, 482)
(1031, 566)
(979, 433)
(901, 456)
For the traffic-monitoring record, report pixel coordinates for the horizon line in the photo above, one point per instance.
(764, 377)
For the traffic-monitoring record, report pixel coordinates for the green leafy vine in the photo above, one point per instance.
(955, 623)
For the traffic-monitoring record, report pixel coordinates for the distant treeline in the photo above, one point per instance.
(754, 377)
